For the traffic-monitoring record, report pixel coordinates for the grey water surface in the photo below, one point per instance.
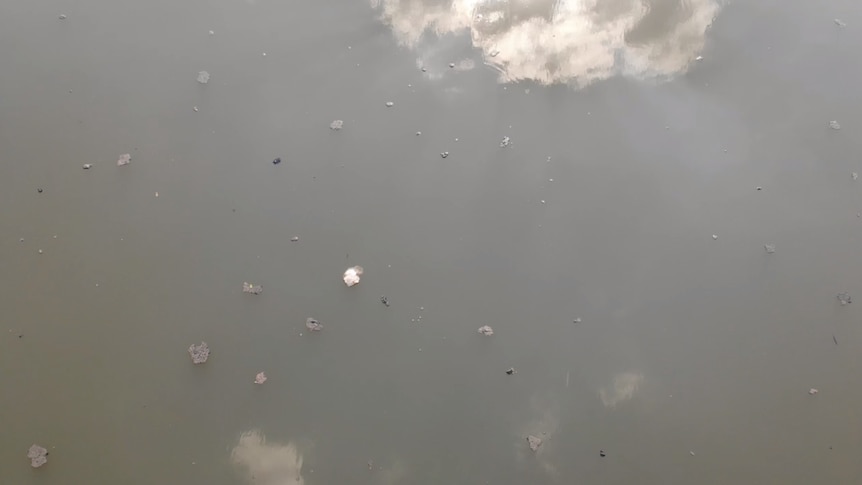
(637, 131)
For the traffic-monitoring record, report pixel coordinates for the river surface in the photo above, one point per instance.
(614, 171)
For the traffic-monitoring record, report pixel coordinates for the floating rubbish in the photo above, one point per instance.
(203, 77)
(294, 239)
(384, 300)
(691, 453)
(855, 175)
(250, 288)
(195, 108)
(260, 378)
(199, 353)
(63, 16)
(602, 453)
(276, 161)
(389, 104)
(452, 65)
(835, 340)
(124, 159)
(336, 125)
(844, 298)
(698, 58)
(839, 23)
(577, 320)
(834, 125)
(37, 455)
(313, 325)
(87, 166)
(535, 442)
(212, 32)
(444, 154)
(510, 371)
(351, 276)
(418, 133)
(770, 248)
(813, 391)
(505, 142)
(39, 190)
(759, 187)
(486, 330)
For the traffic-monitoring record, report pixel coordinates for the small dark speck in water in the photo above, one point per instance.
(39, 190)
(384, 300)
(276, 161)
(602, 453)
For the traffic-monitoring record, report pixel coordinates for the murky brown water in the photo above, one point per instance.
(693, 356)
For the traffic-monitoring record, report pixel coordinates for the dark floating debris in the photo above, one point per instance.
(124, 159)
(844, 298)
(770, 248)
(834, 339)
(602, 453)
(276, 161)
(260, 378)
(199, 353)
(834, 125)
(39, 190)
(486, 330)
(384, 300)
(313, 325)
(294, 239)
(444, 154)
(535, 442)
(510, 371)
(203, 77)
(250, 288)
(37, 455)
(336, 125)
(88, 166)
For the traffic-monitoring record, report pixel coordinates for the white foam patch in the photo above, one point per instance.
(564, 41)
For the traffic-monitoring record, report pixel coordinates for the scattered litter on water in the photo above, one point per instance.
(63, 16)
(770, 248)
(351, 276)
(444, 154)
(38, 456)
(577, 320)
(336, 125)
(452, 65)
(834, 125)
(759, 188)
(602, 453)
(276, 161)
(195, 108)
(39, 190)
(714, 237)
(250, 288)
(698, 58)
(510, 370)
(844, 298)
(542, 201)
(505, 142)
(813, 391)
(839, 22)
(691, 453)
(535, 442)
(418, 133)
(313, 325)
(389, 104)
(486, 330)
(384, 300)
(199, 353)
(212, 32)
(124, 159)
(294, 239)
(260, 378)
(855, 175)
(203, 77)
(40, 251)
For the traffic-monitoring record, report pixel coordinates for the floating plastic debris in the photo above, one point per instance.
(505, 142)
(844, 298)
(698, 58)
(250, 288)
(351, 276)
(313, 325)
(384, 300)
(203, 77)
(770, 248)
(199, 353)
(855, 175)
(294, 239)
(577, 320)
(602, 453)
(124, 159)
(813, 391)
(444, 154)
(714, 237)
(63, 16)
(389, 104)
(260, 378)
(839, 22)
(486, 330)
(418, 133)
(535, 442)
(37, 455)
(834, 125)
(212, 32)
(510, 370)
(336, 125)
(87, 166)
(276, 161)
(195, 108)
